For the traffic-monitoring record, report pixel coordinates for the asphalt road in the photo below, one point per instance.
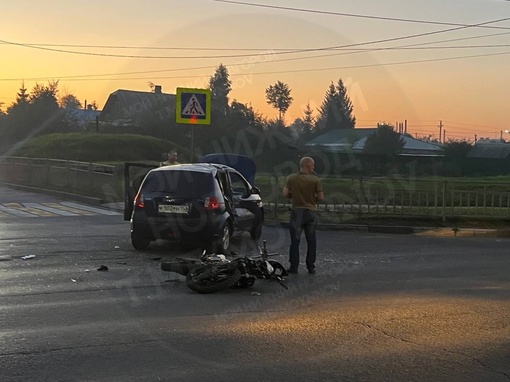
(381, 307)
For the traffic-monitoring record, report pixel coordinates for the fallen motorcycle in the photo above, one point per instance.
(212, 273)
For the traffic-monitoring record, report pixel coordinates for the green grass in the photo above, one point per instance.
(98, 148)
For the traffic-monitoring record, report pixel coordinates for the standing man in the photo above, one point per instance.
(305, 190)
(172, 159)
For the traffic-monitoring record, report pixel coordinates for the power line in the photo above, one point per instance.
(463, 26)
(275, 72)
(262, 50)
(234, 64)
(348, 14)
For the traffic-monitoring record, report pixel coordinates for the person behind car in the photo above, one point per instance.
(305, 190)
(172, 159)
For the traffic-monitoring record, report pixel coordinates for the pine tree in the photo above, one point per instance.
(220, 86)
(308, 119)
(336, 109)
(22, 99)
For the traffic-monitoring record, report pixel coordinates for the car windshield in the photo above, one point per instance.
(189, 184)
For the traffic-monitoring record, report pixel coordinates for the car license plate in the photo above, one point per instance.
(172, 209)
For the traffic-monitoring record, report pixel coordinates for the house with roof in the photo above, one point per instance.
(82, 117)
(489, 157)
(354, 140)
(412, 147)
(344, 150)
(129, 107)
(339, 140)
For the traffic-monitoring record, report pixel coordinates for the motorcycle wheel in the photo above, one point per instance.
(210, 279)
(179, 265)
(245, 282)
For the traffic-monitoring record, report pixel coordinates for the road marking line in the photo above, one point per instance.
(16, 212)
(53, 210)
(91, 209)
(69, 209)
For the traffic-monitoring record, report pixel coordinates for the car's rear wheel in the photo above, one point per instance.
(140, 243)
(221, 244)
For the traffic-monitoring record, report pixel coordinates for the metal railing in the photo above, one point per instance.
(357, 198)
(346, 198)
(81, 178)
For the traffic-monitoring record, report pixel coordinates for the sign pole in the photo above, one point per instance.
(192, 142)
(193, 107)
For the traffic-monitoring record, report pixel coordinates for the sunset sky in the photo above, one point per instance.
(415, 60)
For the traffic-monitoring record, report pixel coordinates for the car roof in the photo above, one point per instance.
(196, 167)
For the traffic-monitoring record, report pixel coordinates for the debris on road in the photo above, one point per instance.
(28, 257)
(102, 268)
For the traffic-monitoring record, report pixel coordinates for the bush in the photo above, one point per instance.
(95, 147)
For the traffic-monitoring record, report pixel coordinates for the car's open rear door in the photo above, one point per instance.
(134, 173)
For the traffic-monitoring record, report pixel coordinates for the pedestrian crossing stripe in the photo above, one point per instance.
(51, 210)
(16, 211)
(89, 208)
(68, 210)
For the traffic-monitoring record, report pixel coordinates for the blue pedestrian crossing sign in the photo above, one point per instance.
(193, 106)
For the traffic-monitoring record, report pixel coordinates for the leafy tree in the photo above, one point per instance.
(336, 109)
(220, 86)
(385, 141)
(34, 113)
(383, 146)
(45, 112)
(455, 153)
(242, 115)
(278, 96)
(69, 101)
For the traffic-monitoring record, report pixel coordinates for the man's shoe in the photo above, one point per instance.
(292, 271)
(311, 271)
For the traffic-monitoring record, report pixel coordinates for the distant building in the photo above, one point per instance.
(353, 141)
(128, 107)
(489, 157)
(339, 140)
(82, 117)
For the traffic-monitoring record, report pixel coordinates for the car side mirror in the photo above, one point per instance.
(255, 190)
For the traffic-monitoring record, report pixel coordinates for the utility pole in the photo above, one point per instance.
(440, 130)
(444, 135)
(476, 138)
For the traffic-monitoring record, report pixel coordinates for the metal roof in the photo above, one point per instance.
(490, 150)
(344, 137)
(353, 140)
